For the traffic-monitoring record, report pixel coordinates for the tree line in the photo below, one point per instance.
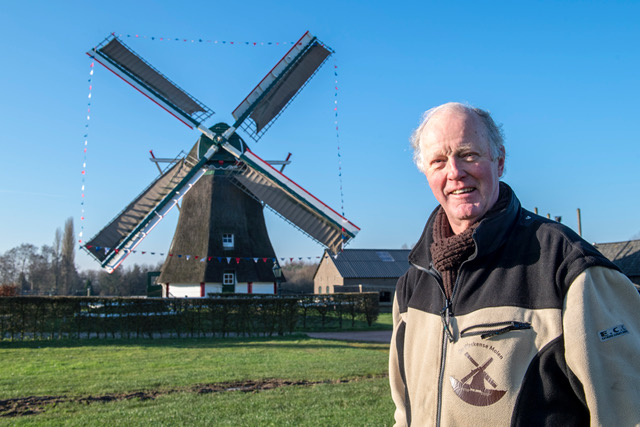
(51, 270)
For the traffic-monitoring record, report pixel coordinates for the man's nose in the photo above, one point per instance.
(455, 168)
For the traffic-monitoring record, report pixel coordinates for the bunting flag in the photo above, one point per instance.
(335, 109)
(201, 40)
(84, 155)
(198, 258)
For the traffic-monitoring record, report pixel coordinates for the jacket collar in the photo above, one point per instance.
(489, 235)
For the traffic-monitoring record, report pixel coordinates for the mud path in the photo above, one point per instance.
(32, 405)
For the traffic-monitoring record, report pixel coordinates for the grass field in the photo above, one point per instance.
(291, 380)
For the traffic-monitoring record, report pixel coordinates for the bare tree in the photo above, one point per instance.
(8, 271)
(22, 256)
(56, 260)
(15, 266)
(299, 276)
(68, 272)
(125, 281)
(110, 284)
(41, 271)
(52, 271)
(135, 280)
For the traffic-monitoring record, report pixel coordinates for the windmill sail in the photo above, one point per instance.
(278, 88)
(115, 241)
(293, 203)
(125, 63)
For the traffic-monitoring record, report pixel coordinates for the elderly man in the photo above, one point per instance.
(505, 317)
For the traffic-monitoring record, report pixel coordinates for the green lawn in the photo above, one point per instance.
(341, 383)
(385, 321)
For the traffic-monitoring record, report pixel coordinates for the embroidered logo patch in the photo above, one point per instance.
(613, 332)
(472, 388)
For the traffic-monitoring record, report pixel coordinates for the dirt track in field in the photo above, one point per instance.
(32, 405)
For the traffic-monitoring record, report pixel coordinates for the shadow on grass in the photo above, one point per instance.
(286, 341)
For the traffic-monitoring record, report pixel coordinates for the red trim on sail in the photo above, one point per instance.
(138, 89)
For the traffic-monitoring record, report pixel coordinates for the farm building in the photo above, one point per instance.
(626, 255)
(361, 270)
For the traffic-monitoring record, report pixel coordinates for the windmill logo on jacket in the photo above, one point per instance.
(472, 388)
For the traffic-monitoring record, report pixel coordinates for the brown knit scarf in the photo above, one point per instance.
(449, 251)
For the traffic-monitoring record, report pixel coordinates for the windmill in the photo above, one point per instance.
(472, 388)
(221, 168)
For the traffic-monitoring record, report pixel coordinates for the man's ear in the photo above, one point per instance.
(501, 159)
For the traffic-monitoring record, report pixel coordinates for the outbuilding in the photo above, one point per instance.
(626, 255)
(362, 270)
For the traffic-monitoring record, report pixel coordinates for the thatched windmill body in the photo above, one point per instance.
(224, 184)
(221, 243)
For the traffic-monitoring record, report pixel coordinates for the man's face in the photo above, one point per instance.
(458, 165)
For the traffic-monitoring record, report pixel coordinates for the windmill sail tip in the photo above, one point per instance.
(281, 85)
(128, 65)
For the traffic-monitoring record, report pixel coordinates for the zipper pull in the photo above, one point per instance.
(445, 315)
(512, 326)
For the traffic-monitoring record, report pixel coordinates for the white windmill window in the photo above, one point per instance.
(229, 278)
(227, 241)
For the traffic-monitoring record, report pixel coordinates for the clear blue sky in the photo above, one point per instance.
(561, 76)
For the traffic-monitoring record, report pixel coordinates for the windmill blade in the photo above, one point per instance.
(278, 88)
(126, 64)
(121, 236)
(292, 202)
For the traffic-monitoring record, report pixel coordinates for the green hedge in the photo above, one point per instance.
(218, 315)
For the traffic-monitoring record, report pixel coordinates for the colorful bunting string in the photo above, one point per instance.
(84, 154)
(200, 40)
(198, 258)
(335, 109)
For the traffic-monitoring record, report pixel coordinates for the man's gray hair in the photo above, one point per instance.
(496, 137)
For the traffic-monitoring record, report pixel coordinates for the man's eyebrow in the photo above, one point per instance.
(466, 147)
(462, 148)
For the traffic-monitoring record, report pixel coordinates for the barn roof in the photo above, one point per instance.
(626, 255)
(371, 263)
